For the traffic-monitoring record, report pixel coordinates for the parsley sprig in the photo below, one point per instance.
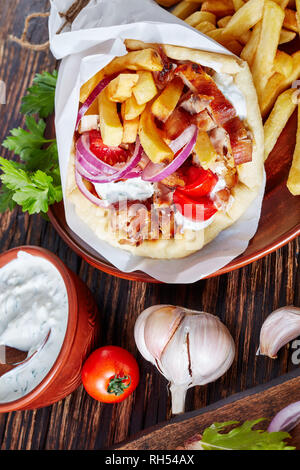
(33, 182)
(243, 437)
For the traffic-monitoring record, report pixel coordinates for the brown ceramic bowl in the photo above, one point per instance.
(279, 222)
(82, 331)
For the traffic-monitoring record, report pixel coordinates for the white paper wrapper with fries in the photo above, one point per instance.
(96, 38)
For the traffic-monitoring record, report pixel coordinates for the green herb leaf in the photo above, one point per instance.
(40, 97)
(243, 437)
(33, 192)
(34, 183)
(6, 200)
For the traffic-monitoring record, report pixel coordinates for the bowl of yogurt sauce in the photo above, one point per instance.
(38, 295)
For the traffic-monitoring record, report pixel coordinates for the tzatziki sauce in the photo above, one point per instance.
(131, 190)
(226, 85)
(33, 300)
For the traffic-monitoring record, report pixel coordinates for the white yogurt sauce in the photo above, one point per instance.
(33, 299)
(188, 224)
(226, 85)
(132, 189)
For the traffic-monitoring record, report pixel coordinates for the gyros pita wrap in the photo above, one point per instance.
(250, 174)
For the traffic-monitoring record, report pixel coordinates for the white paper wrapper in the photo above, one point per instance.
(94, 39)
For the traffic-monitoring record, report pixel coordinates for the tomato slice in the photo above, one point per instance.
(109, 155)
(200, 182)
(199, 210)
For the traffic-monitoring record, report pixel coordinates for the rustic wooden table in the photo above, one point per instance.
(242, 299)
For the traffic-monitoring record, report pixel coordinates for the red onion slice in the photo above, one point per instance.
(83, 189)
(157, 172)
(83, 149)
(183, 139)
(91, 98)
(126, 171)
(286, 419)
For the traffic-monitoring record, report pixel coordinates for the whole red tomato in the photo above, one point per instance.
(110, 374)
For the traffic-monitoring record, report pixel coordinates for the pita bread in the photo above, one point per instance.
(250, 174)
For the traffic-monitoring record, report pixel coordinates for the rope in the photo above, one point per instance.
(69, 16)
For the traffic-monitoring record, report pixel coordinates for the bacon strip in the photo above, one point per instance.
(200, 82)
(241, 144)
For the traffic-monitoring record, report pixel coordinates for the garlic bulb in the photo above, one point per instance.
(278, 329)
(188, 347)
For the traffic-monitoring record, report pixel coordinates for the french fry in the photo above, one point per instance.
(145, 89)
(234, 46)
(245, 18)
(283, 63)
(283, 109)
(262, 65)
(110, 124)
(249, 51)
(146, 59)
(291, 3)
(219, 8)
(286, 36)
(293, 182)
(298, 14)
(204, 150)
(224, 21)
(199, 16)
(185, 9)
(237, 4)
(153, 144)
(245, 37)
(282, 3)
(131, 109)
(167, 101)
(167, 3)
(130, 130)
(290, 21)
(205, 27)
(277, 83)
(120, 88)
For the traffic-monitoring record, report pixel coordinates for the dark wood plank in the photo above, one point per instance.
(241, 299)
(259, 402)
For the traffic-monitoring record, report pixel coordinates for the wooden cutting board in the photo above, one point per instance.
(263, 401)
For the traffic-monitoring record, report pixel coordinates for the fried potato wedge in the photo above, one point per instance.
(145, 59)
(262, 66)
(293, 182)
(199, 16)
(120, 88)
(145, 89)
(130, 109)
(204, 149)
(152, 142)
(130, 130)
(245, 18)
(110, 124)
(165, 104)
(283, 109)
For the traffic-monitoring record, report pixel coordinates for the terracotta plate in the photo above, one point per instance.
(279, 223)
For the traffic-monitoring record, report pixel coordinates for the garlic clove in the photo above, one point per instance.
(160, 327)
(280, 327)
(139, 333)
(212, 348)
